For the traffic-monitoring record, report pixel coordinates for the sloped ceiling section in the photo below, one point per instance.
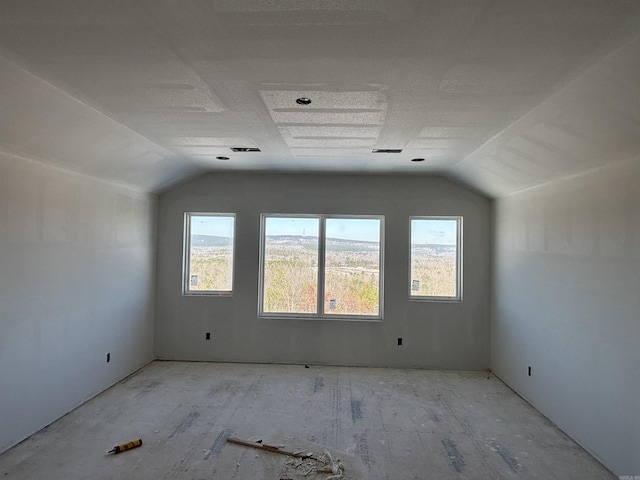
(500, 94)
(593, 121)
(40, 122)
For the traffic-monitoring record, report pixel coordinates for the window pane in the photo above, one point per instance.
(290, 265)
(352, 266)
(434, 261)
(210, 253)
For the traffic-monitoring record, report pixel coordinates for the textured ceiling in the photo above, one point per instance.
(502, 95)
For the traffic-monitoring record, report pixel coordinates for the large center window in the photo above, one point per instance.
(321, 266)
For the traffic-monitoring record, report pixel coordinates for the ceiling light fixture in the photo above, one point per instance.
(386, 150)
(417, 159)
(303, 101)
(245, 149)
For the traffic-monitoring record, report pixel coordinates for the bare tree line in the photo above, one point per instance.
(351, 278)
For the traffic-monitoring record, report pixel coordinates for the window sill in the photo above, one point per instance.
(435, 299)
(332, 318)
(207, 294)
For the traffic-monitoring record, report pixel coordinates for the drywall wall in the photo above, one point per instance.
(76, 282)
(567, 303)
(445, 335)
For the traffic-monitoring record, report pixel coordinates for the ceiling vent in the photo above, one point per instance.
(245, 149)
(386, 150)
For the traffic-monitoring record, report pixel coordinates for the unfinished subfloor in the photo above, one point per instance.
(380, 423)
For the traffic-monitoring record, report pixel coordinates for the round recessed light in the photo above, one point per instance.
(222, 158)
(303, 101)
(417, 159)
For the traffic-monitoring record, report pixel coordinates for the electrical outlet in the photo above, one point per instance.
(399, 341)
(207, 336)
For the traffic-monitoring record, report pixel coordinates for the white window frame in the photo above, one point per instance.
(459, 251)
(320, 314)
(186, 259)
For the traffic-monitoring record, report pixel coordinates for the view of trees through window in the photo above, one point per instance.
(291, 265)
(320, 265)
(352, 266)
(349, 273)
(210, 253)
(434, 257)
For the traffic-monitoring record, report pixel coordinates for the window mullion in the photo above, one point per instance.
(186, 261)
(321, 264)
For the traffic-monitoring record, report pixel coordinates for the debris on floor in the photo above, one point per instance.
(126, 446)
(269, 448)
(302, 464)
(320, 467)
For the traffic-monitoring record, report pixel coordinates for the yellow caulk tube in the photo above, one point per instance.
(126, 446)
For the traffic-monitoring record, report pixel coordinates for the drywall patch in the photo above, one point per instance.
(433, 415)
(457, 460)
(185, 424)
(220, 442)
(356, 410)
(149, 388)
(504, 453)
(362, 448)
(318, 385)
(257, 385)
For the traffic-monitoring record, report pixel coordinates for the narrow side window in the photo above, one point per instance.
(208, 257)
(435, 264)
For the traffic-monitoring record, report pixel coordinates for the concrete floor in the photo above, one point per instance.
(381, 423)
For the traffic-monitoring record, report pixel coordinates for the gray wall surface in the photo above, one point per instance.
(445, 335)
(567, 303)
(76, 283)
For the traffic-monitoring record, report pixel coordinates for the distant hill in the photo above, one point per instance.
(333, 244)
(291, 239)
(199, 240)
(435, 248)
(306, 242)
(344, 245)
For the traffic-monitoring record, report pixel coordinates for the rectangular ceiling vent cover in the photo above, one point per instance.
(386, 150)
(245, 149)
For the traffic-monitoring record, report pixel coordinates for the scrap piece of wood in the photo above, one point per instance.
(268, 448)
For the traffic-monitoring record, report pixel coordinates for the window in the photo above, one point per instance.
(352, 266)
(321, 266)
(435, 265)
(208, 264)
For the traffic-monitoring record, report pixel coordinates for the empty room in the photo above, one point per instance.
(320, 239)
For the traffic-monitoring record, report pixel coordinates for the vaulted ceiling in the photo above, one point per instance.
(499, 94)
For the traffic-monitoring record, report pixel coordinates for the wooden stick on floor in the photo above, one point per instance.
(269, 448)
